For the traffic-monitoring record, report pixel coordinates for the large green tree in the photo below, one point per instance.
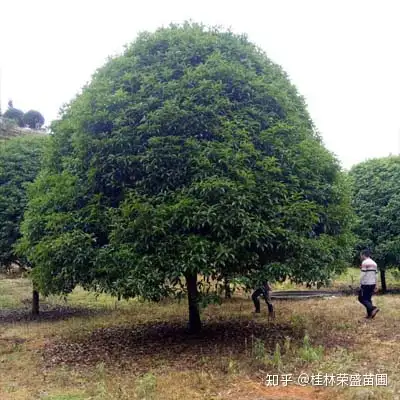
(20, 160)
(189, 158)
(376, 200)
(33, 119)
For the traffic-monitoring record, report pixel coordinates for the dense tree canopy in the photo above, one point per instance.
(376, 200)
(190, 155)
(19, 164)
(33, 119)
(16, 115)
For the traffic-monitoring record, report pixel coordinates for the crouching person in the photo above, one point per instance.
(264, 290)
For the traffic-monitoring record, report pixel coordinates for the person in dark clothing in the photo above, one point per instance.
(264, 291)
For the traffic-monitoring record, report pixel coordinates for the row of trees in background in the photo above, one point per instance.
(19, 165)
(187, 162)
(31, 119)
(376, 201)
(20, 160)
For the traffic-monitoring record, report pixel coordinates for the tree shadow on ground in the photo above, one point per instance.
(394, 290)
(48, 313)
(146, 346)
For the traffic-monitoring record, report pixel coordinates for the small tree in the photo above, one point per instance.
(376, 200)
(189, 158)
(16, 115)
(33, 119)
(19, 164)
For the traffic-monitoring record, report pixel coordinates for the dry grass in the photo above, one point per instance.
(132, 350)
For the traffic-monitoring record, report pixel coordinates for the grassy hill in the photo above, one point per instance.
(9, 130)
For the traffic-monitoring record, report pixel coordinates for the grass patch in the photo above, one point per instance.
(146, 387)
(352, 277)
(64, 397)
(308, 353)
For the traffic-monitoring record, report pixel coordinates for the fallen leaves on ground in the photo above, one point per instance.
(141, 347)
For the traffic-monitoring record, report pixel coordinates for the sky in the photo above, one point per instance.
(342, 55)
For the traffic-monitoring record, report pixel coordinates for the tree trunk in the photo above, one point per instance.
(228, 292)
(383, 281)
(193, 300)
(35, 302)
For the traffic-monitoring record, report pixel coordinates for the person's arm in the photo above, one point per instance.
(362, 273)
